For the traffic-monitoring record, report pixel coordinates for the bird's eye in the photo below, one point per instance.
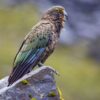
(55, 14)
(61, 14)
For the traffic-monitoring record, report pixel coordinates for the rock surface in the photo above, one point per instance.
(36, 85)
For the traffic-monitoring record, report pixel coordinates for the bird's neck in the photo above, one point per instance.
(58, 26)
(58, 23)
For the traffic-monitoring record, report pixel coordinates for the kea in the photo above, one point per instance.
(39, 43)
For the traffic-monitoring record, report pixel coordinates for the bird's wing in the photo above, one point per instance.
(30, 51)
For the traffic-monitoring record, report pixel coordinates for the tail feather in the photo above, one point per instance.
(25, 67)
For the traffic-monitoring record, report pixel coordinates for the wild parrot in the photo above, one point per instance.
(39, 43)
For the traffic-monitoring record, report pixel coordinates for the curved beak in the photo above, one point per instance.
(66, 15)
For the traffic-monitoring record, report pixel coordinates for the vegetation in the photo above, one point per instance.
(79, 78)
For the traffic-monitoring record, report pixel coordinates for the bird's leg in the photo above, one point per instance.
(40, 64)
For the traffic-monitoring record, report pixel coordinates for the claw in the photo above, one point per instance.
(40, 64)
(54, 71)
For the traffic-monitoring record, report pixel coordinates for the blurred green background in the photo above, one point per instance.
(79, 76)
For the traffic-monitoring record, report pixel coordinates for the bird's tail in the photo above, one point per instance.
(25, 67)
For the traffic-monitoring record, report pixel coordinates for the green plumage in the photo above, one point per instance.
(38, 44)
(33, 41)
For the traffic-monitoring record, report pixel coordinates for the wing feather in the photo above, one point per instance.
(30, 52)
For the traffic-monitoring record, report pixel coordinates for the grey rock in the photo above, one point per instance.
(37, 85)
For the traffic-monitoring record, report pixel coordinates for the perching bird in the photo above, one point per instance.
(39, 43)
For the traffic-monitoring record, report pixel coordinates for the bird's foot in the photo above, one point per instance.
(55, 71)
(40, 64)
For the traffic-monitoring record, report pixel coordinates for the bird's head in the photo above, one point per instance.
(57, 15)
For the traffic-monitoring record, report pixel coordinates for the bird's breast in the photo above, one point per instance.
(53, 42)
